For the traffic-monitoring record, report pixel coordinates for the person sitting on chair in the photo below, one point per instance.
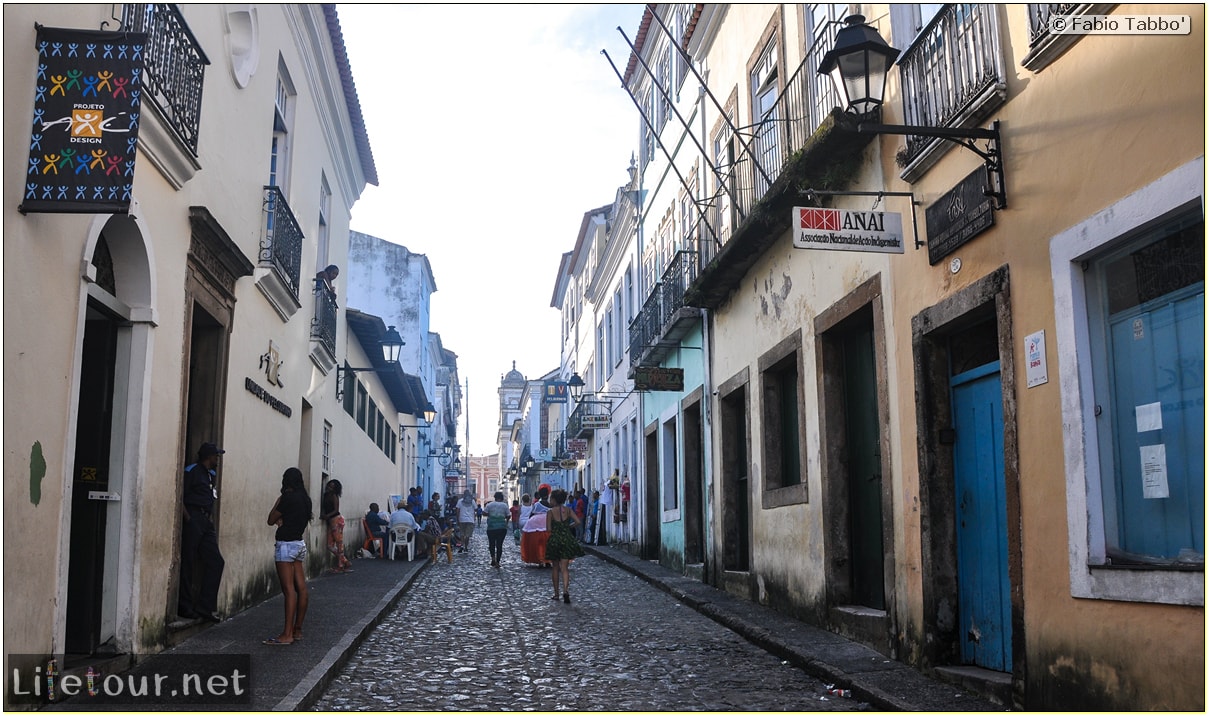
(402, 518)
(377, 525)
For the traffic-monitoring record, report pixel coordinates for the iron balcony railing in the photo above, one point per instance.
(281, 247)
(760, 152)
(666, 298)
(323, 325)
(948, 67)
(175, 66)
(1039, 15)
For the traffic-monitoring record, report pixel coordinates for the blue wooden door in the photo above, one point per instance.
(984, 594)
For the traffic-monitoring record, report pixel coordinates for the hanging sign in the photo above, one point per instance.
(595, 422)
(87, 99)
(556, 391)
(964, 212)
(656, 378)
(840, 230)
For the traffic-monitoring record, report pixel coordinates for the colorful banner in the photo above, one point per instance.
(86, 118)
(556, 391)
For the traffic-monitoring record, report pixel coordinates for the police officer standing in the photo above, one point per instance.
(199, 541)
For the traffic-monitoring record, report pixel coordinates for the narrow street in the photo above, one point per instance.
(469, 637)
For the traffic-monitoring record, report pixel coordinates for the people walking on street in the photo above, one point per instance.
(291, 513)
(579, 503)
(498, 516)
(466, 508)
(562, 546)
(478, 513)
(593, 510)
(514, 514)
(330, 514)
(199, 539)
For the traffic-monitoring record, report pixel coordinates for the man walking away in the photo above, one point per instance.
(199, 540)
(498, 517)
(466, 510)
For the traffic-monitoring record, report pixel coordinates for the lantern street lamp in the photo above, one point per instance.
(576, 384)
(391, 344)
(858, 65)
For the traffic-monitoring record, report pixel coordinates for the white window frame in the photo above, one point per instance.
(1084, 505)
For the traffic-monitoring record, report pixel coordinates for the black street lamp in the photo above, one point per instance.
(858, 65)
(576, 384)
(391, 344)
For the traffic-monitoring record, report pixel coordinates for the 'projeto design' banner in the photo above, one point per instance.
(86, 119)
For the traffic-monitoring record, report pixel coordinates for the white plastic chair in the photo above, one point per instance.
(398, 536)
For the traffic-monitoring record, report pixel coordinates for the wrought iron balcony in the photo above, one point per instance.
(281, 247)
(665, 317)
(804, 102)
(323, 324)
(949, 69)
(175, 66)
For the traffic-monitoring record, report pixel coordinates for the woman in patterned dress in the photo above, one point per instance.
(562, 546)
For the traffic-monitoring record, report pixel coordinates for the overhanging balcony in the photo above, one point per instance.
(801, 146)
(280, 258)
(665, 318)
(323, 327)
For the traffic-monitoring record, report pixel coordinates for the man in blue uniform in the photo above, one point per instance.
(199, 540)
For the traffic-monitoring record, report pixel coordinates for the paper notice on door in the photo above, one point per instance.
(1154, 472)
(1150, 417)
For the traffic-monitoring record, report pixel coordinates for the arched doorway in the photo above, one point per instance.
(114, 339)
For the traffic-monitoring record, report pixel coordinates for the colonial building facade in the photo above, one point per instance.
(965, 439)
(136, 333)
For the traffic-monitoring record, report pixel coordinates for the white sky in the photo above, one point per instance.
(493, 128)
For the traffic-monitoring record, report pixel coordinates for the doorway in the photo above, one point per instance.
(694, 483)
(984, 591)
(91, 572)
(735, 509)
(972, 574)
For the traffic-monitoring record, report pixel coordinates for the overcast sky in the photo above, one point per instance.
(493, 128)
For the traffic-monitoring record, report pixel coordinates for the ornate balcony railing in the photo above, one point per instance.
(1039, 15)
(680, 273)
(281, 247)
(644, 329)
(805, 101)
(323, 324)
(948, 68)
(175, 66)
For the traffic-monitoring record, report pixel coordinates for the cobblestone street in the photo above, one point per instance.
(472, 638)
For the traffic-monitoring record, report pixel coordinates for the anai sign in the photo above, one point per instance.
(836, 229)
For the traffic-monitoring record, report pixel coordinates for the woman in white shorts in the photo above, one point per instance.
(290, 514)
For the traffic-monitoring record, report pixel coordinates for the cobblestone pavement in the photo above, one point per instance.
(467, 637)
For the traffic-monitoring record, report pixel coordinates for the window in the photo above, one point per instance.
(671, 483)
(327, 449)
(764, 91)
(781, 398)
(283, 120)
(362, 403)
(619, 322)
(684, 13)
(600, 351)
(323, 238)
(819, 25)
(665, 81)
(629, 294)
(606, 359)
(1130, 346)
(723, 160)
(648, 136)
(1147, 316)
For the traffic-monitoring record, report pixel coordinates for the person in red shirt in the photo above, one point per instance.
(580, 505)
(515, 513)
